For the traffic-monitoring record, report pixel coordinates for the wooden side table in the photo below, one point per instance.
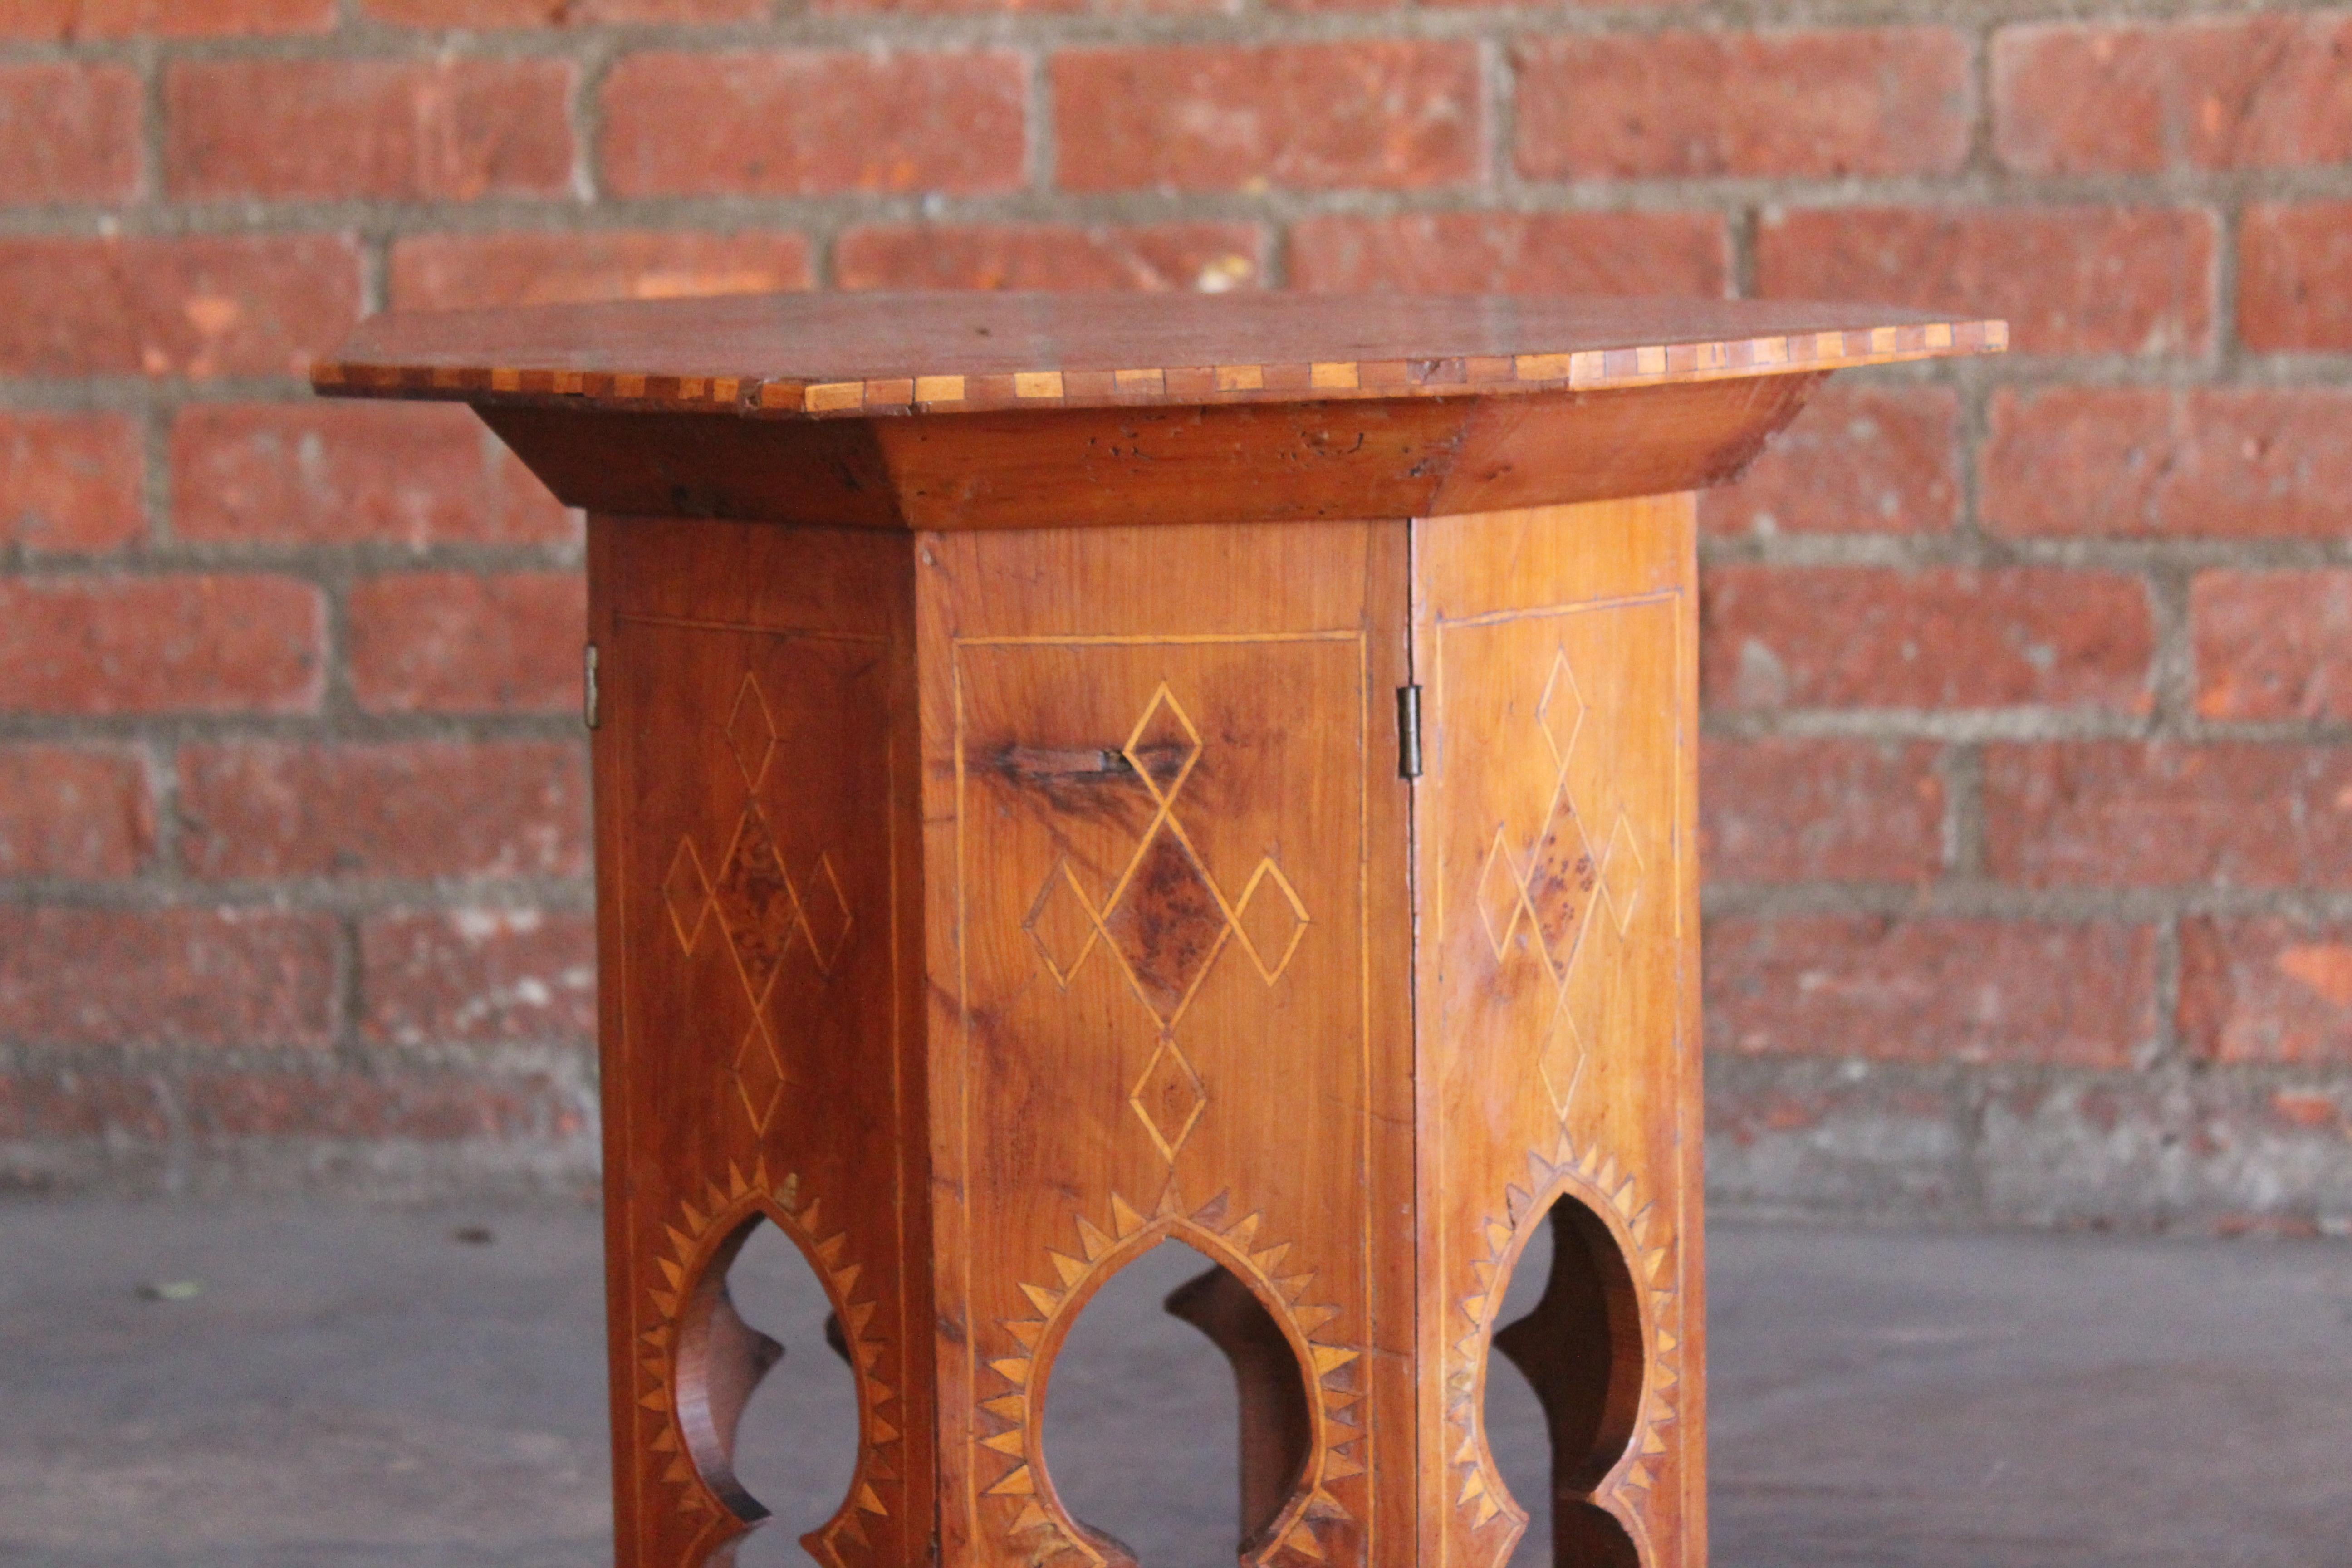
(1075, 772)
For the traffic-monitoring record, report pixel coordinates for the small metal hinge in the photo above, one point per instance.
(588, 693)
(1408, 731)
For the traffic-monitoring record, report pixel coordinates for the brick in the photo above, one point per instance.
(2294, 278)
(1781, 810)
(810, 122)
(2263, 91)
(1859, 459)
(67, 810)
(1839, 636)
(2266, 990)
(1212, 257)
(2272, 645)
(1515, 252)
(375, 1108)
(193, 306)
(69, 482)
(236, 978)
(59, 1107)
(2068, 279)
(350, 473)
(487, 13)
(458, 271)
(2119, 813)
(1807, 1133)
(1387, 114)
(69, 133)
(1932, 990)
(68, 21)
(223, 643)
(444, 130)
(2234, 463)
(1686, 104)
(428, 808)
(455, 642)
(478, 976)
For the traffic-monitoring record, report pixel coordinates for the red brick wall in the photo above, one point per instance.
(2030, 684)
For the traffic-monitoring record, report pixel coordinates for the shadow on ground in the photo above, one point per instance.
(352, 1389)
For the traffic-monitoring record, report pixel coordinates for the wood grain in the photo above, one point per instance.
(1097, 468)
(819, 356)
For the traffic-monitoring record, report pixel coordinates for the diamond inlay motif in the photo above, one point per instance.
(685, 892)
(759, 1074)
(1561, 1064)
(1169, 1098)
(756, 903)
(1553, 886)
(751, 733)
(1560, 711)
(1272, 920)
(1621, 873)
(763, 912)
(1163, 746)
(1165, 919)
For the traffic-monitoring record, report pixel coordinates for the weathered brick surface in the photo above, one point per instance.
(2272, 645)
(477, 975)
(1859, 459)
(68, 134)
(217, 643)
(1385, 115)
(174, 976)
(1214, 255)
(2295, 276)
(1871, 100)
(2157, 463)
(2049, 654)
(434, 808)
(1932, 990)
(71, 811)
(446, 129)
(1515, 252)
(72, 21)
(201, 307)
(69, 482)
(341, 473)
(457, 642)
(558, 13)
(2120, 812)
(1786, 810)
(810, 122)
(2207, 93)
(2067, 278)
(1869, 637)
(468, 271)
(2266, 990)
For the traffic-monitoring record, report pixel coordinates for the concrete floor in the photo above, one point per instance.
(357, 1389)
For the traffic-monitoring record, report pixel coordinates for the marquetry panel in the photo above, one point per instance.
(1558, 1045)
(1160, 785)
(756, 1011)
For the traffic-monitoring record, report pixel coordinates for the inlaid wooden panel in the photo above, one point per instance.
(1558, 1045)
(759, 1033)
(1168, 928)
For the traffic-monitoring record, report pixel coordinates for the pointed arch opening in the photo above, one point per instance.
(1173, 1332)
(767, 1403)
(1562, 1414)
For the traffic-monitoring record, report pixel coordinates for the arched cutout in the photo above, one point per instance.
(1579, 1346)
(772, 1433)
(1276, 1430)
(1238, 1398)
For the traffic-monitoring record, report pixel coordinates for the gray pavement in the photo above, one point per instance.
(348, 1388)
